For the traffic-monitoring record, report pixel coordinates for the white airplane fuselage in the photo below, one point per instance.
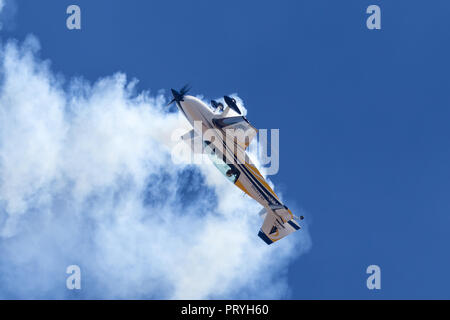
(197, 112)
(236, 166)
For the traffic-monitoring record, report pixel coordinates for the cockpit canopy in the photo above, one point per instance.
(227, 169)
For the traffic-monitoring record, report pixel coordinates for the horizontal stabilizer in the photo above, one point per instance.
(275, 228)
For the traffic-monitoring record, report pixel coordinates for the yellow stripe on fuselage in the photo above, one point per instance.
(255, 173)
(260, 178)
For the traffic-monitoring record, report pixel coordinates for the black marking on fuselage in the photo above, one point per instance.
(261, 189)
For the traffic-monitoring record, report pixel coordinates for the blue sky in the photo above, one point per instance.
(363, 114)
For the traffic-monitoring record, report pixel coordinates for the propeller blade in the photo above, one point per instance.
(178, 96)
(171, 101)
(185, 89)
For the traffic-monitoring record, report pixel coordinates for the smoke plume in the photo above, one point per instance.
(86, 178)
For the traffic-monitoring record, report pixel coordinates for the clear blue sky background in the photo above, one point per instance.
(363, 115)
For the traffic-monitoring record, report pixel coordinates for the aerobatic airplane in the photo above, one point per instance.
(226, 147)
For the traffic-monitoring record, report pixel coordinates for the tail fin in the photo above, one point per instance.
(278, 223)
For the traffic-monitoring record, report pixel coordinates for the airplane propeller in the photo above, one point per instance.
(178, 96)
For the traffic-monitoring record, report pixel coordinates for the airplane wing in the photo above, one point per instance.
(245, 132)
(276, 225)
(194, 141)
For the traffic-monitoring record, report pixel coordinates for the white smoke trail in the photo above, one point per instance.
(86, 178)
